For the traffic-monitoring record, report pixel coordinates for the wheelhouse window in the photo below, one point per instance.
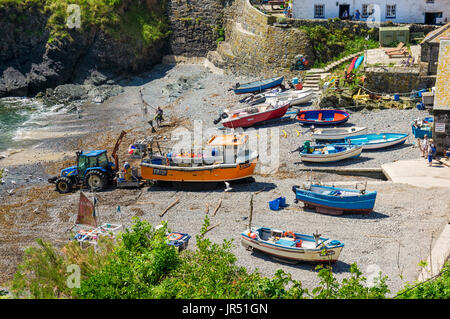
(391, 11)
(319, 11)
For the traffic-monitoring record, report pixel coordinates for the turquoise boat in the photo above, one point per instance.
(377, 141)
(335, 200)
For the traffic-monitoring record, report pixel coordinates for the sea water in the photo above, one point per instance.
(19, 115)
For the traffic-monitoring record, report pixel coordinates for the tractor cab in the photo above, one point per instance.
(92, 159)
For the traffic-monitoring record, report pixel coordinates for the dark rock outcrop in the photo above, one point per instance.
(30, 63)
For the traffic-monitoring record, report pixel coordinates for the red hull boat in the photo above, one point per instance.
(252, 115)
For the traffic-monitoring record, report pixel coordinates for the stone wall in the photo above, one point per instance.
(254, 45)
(195, 25)
(396, 79)
(441, 109)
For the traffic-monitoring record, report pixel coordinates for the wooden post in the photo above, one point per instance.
(251, 212)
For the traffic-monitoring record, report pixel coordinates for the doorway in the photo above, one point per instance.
(431, 17)
(344, 8)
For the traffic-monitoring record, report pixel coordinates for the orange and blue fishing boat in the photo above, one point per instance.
(228, 160)
(322, 117)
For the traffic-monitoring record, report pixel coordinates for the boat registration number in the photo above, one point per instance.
(158, 171)
(242, 166)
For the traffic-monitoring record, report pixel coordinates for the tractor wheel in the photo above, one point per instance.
(96, 180)
(63, 185)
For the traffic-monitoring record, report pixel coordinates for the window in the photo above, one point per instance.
(391, 11)
(365, 11)
(319, 11)
(429, 1)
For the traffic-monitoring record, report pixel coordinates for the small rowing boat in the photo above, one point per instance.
(337, 133)
(322, 117)
(329, 152)
(251, 115)
(335, 200)
(292, 246)
(258, 86)
(292, 97)
(377, 141)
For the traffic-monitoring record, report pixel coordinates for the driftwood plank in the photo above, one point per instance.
(169, 207)
(217, 207)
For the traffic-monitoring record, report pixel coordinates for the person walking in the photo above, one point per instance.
(426, 143)
(357, 15)
(431, 150)
(159, 116)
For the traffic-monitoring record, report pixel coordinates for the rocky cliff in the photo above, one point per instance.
(34, 57)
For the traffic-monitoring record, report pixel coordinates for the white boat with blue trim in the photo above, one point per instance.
(292, 246)
(377, 141)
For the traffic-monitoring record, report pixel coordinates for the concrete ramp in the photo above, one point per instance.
(418, 173)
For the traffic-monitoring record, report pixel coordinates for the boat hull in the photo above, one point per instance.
(334, 157)
(258, 86)
(207, 173)
(336, 205)
(376, 141)
(292, 253)
(338, 133)
(253, 119)
(322, 117)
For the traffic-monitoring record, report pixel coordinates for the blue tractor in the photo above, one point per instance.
(92, 170)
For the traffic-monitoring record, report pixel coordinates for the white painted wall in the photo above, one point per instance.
(408, 11)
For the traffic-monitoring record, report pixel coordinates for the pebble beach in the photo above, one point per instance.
(393, 239)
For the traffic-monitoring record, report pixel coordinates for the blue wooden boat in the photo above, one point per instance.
(257, 86)
(322, 117)
(288, 245)
(335, 200)
(376, 141)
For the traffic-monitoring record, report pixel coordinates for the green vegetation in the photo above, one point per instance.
(122, 19)
(333, 43)
(220, 33)
(141, 265)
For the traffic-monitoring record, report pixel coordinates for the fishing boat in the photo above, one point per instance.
(337, 133)
(377, 141)
(322, 117)
(351, 66)
(228, 160)
(420, 128)
(358, 62)
(253, 114)
(329, 152)
(292, 246)
(257, 86)
(335, 200)
(291, 97)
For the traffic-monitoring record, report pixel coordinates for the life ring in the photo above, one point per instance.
(289, 233)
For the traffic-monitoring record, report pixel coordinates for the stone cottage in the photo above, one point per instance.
(430, 47)
(397, 11)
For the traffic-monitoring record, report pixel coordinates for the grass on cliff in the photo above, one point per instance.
(139, 20)
(331, 44)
